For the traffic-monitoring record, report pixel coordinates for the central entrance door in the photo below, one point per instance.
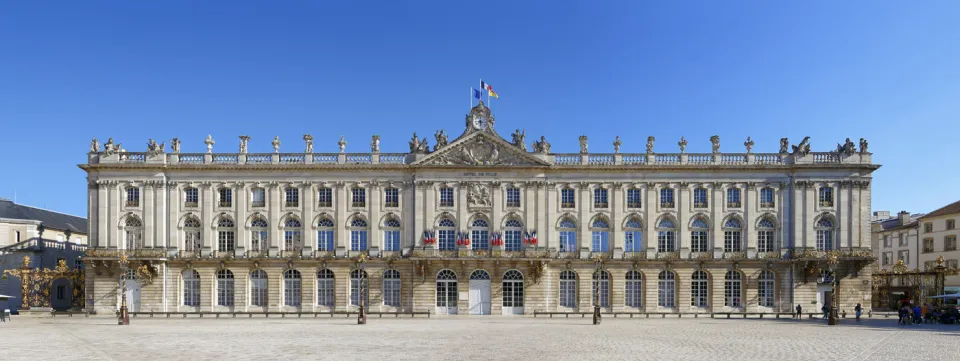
(133, 295)
(447, 293)
(479, 292)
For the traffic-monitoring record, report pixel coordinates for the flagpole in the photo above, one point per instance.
(471, 99)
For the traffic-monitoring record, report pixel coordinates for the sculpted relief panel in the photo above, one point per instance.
(480, 150)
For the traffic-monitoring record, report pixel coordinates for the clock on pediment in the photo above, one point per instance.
(480, 122)
(479, 119)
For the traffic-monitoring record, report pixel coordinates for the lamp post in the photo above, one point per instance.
(362, 315)
(596, 299)
(832, 320)
(123, 319)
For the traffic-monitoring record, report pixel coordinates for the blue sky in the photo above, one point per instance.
(883, 70)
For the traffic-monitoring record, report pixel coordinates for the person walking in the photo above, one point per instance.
(916, 314)
(826, 311)
(858, 309)
(799, 312)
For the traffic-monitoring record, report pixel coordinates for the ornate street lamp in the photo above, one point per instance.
(598, 260)
(832, 263)
(362, 316)
(123, 318)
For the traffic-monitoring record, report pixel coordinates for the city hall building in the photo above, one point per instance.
(478, 225)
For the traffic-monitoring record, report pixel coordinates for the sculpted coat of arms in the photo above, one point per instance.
(479, 195)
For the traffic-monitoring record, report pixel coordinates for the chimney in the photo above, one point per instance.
(904, 217)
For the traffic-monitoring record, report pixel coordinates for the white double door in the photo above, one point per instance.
(133, 296)
(479, 297)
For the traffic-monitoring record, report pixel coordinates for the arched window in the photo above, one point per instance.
(513, 235)
(601, 285)
(358, 234)
(732, 289)
(446, 234)
(633, 289)
(766, 288)
(447, 289)
(258, 288)
(292, 231)
(824, 234)
(667, 289)
(479, 275)
(391, 234)
(325, 287)
(568, 289)
(633, 236)
(191, 288)
(513, 289)
(358, 288)
(225, 288)
(291, 288)
(699, 289)
(192, 231)
(259, 235)
(766, 231)
(568, 235)
(226, 234)
(732, 240)
(325, 234)
(600, 230)
(134, 232)
(391, 288)
(666, 236)
(698, 235)
(480, 234)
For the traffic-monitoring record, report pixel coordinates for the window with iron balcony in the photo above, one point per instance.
(700, 198)
(666, 198)
(600, 198)
(733, 198)
(826, 197)
(567, 198)
(633, 198)
(324, 197)
(258, 198)
(766, 198)
(226, 197)
(359, 197)
(133, 197)
(513, 197)
(391, 197)
(446, 197)
(191, 197)
(292, 197)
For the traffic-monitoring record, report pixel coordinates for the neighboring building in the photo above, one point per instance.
(479, 225)
(895, 239)
(880, 216)
(938, 237)
(46, 237)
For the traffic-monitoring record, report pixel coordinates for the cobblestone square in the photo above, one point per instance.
(473, 338)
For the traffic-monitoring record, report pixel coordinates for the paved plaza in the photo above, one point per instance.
(473, 338)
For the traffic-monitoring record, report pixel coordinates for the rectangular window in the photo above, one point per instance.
(191, 197)
(324, 197)
(358, 197)
(358, 240)
(568, 241)
(226, 197)
(929, 265)
(903, 256)
(567, 198)
(927, 227)
(325, 240)
(950, 243)
(731, 241)
(258, 197)
(666, 241)
(259, 241)
(731, 293)
(447, 239)
(292, 197)
(192, 241)
(226, 241)
(191, 291)
(952, 264)
(765, 241)
(733, 197)
(634, 198)
(698, 241)
(391, 197)
(887, 241)
(133, 197)
(633, 241)
(446, 197)
(886, 258)
(951, 224)
(765, 292)
(18, 237)
(513, 197)
(291, 292)
(600, 198)
(601, 242)
(903, 240)
(927, 245)
(325, 288)
(700, 198)
(666, 198)
(512, 240)
(826, 197)
(391, 240)
(480, 239)
(766, 198)
(225, 292)
(291, 240)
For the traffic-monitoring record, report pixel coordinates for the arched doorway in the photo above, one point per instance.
(132, 291)
(479, 292)
(513, 293)
(447, 292)
(61, 294)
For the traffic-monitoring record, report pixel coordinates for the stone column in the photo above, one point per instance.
(616, 204)
(149, 211)
(416, 215)
(242, 204)
(749, 238)
(275, 199)
(341, 236)
(844, 219)
(374, 201)
(683, 219)
(102, 209)
(799, 206)
(497, 213)
(308, 201)
(650, 197)
(460, 190)
(716, 199)
(548, 214)
(583, 210)
(856, 214)
(209, 237)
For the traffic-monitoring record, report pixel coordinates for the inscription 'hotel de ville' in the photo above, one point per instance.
(479, 224)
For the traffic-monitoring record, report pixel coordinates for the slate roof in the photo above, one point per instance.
(948, 209)
(893, 223)
(50, 219)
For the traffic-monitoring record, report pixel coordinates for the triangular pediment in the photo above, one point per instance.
(481, 149)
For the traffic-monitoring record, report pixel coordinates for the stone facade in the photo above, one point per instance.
(474, 209)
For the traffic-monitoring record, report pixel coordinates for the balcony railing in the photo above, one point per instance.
(733, 204)
(133, 203)
(225, 204)
(701, 255)
(358, 204)
(568, 205)
(325, 204)
(666, 204)
(258, 204)
(668, 255)
(513, 204)
(826, 203)
(766, 204)
(634, 205)
(446, 203)
(699, 204)
(390, 204)
(292, 204)
(600, 205)
(190, 204)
